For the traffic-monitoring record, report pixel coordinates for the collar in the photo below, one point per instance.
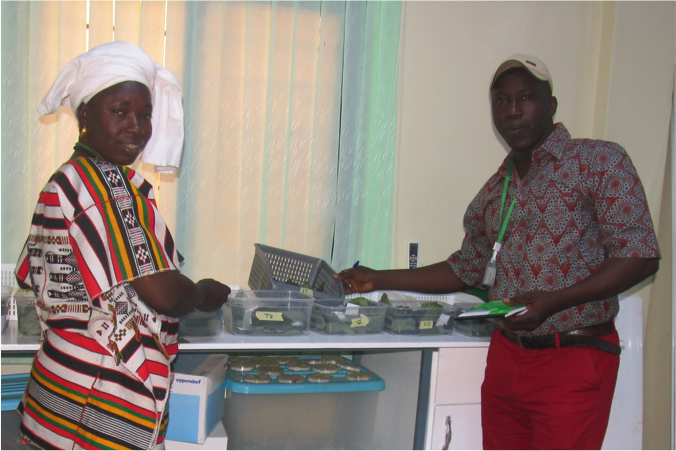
(554, 145)
(84, 147)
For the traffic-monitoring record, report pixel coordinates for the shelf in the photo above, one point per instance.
(13, 342)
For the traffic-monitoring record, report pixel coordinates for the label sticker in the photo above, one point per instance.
(269, 316)
(443, 320)
(352, 309)
(426, 324)
(359, 322)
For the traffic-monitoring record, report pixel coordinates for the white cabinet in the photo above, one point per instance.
(464, 422)
(459, 373)
(455, 393)
(396, 358)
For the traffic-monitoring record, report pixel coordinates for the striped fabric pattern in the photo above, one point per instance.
(101, 377)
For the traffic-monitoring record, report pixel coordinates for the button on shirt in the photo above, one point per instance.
(580, 204)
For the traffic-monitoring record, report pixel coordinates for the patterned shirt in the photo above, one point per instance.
(102, 374)
(580, 204)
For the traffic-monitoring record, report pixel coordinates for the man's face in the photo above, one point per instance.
(523, 109)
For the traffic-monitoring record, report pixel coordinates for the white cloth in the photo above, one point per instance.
(115, 62)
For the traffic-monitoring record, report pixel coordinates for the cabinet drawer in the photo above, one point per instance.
(459, 375)
(465, 423)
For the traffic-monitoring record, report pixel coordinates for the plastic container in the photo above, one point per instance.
(483, 327)
(306, 415)
(334, 317)
(406, 316)
(199, 323)
(13, 388)
(277, 269)
(413, 317)
(6, 296)
(8, 279)
(27, 316)
(266, 312)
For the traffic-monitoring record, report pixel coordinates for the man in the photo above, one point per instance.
(573, 230)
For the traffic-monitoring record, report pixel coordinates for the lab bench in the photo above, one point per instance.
(428, 378)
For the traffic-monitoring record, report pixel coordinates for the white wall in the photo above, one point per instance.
(447, 145)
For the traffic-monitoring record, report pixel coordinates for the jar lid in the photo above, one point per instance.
(319, 378)
(257, 378)
(325, 368)
(270, 370)
(290, 379)
(358, 376)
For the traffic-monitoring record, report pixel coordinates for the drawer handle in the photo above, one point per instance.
(449, 433)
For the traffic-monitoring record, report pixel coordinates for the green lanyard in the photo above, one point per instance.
(503, 225)
(491, 267)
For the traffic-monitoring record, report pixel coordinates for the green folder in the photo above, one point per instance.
(493, 309)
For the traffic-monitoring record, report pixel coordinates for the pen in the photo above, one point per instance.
(356, 264)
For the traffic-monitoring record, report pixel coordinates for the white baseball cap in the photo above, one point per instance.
(533, 65)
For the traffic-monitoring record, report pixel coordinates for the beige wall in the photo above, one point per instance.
(657, 346)
(613, 68)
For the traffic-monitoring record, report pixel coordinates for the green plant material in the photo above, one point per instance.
(418, 321)
(201, 323)
(401, 325)
(360, 301)
(476, 327)
(29, 324)
(385, 299)
(293, 322)
(306, 284)
(331, 323)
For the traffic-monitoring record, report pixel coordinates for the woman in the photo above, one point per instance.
(103, 264)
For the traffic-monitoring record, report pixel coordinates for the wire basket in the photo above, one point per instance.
(277, 269)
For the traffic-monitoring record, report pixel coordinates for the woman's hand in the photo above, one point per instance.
(173, 294)
(215, 294)
(357, 280)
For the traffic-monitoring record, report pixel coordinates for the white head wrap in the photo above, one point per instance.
(115, 62)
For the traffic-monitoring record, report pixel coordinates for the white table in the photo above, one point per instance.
(404, 361)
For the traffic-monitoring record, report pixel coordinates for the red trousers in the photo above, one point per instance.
(546, 399)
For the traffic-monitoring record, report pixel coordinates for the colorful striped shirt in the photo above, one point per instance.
(102, 374)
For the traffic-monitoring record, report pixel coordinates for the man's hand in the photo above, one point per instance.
(436, 278)
(540, 307)
(357, 280)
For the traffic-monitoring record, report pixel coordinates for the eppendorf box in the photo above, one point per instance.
(197, 396)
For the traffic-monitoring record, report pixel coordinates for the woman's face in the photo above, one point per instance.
(118, 122)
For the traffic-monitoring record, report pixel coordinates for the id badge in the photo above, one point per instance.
(491, 267)
(489, 274)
